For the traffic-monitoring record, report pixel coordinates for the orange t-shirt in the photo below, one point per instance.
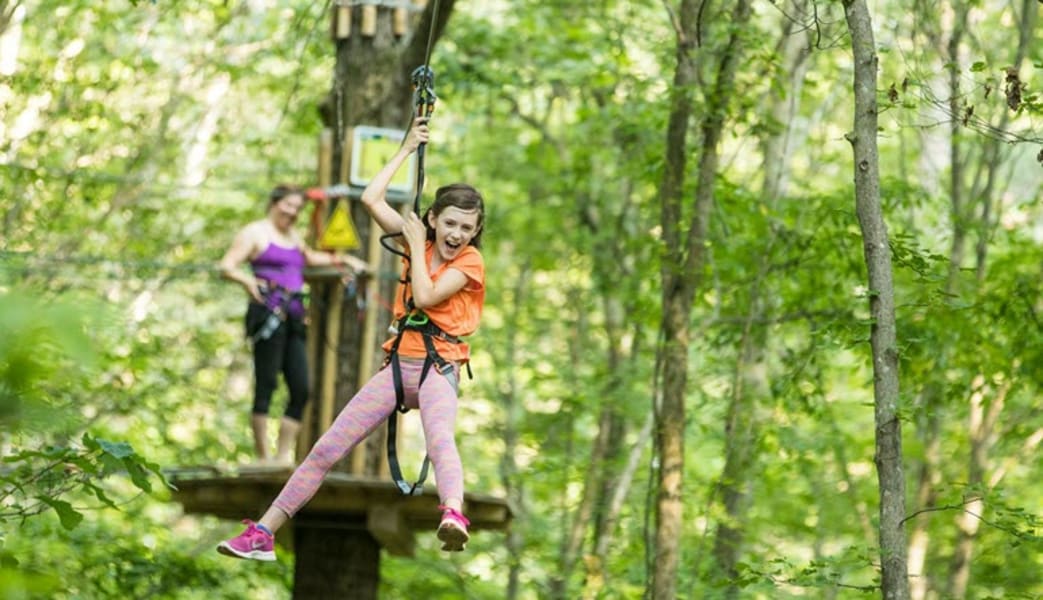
(457, 315)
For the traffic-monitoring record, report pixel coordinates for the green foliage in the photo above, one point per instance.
(38, 479)
(136, 138)
(38, 341)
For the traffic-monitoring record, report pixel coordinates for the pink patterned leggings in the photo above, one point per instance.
(370, 407)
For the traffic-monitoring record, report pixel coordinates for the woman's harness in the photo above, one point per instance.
(277, 314)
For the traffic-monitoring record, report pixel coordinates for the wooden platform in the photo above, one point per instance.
(343, 501)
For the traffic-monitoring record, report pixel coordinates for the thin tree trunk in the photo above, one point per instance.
(682, 265)
(993, 152)
(671, 355)
(621, 490)
(958, 212)
(613, 267)
(883, 335)
(930, 407)
(582, 517)
(981, 427)
(740, 431)
(738, 427)
(795, 50)
(513, 484)
(609, 269)
(595, 575)
(749, 381)
(12, 14)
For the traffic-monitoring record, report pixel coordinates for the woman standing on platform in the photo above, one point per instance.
(446, 286)
(275, 316)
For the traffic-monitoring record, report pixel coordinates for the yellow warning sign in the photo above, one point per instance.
(340, 231)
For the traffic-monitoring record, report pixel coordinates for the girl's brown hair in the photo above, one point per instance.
(464, 197)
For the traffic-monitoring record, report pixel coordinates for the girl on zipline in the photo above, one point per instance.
(275, 315)
(445, 291)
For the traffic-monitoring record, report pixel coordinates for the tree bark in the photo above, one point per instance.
(981, 427)
(883, 335)
(671, 357)
(740, 430)
(513, 409)
(934, 391)
(681, 273)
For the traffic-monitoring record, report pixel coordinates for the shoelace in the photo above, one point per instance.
(253, 524)
(454, 513)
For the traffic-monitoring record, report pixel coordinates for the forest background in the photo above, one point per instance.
(135, 138)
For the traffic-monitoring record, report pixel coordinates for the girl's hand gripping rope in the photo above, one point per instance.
(415, 234)
(418, 134)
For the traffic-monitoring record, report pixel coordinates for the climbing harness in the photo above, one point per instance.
(278, 314)
(418, 321)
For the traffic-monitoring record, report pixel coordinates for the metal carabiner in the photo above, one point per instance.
(424, 96)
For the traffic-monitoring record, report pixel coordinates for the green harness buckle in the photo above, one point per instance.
(417, 319)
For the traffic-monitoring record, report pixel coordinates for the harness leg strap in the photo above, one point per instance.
(404, 486)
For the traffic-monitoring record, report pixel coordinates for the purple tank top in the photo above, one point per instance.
(282, 267)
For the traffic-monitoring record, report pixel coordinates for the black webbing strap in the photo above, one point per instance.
(276, 316)
(428, 331)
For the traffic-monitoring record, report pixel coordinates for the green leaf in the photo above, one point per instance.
(978, 67)
(138, 475)
(68, 515)
(117, 449)
(99, 494)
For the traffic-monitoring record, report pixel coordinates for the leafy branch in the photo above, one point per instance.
(34, 481)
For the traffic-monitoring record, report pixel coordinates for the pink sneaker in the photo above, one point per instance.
(252, 543)
(453, 530)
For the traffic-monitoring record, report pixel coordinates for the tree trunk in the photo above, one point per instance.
(596, 568)
(740, 431)
(610, 267)
(672, 354)
(334, 560)
(883, 335)
(993, 149)
(582, 517)
(783, 106)
(934, 391)
(12, 13)
(981, 427)
(513, 409)
(681, 272)
(750, 376)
